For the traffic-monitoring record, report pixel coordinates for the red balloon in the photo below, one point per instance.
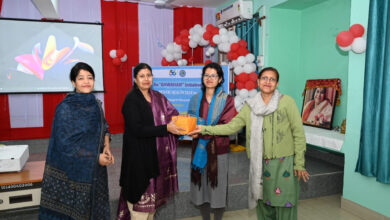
(235, 78)
(231, 86)
(116, 61)
(209, 27)
(249, 85)
(242, 51)
(178, 40)
(243, 77)
(242, 43)
(229, 55)
(253, 76)
(120, 53)
(234, 46)
(240, 85)
(173, 63)
(190, 60)
(164, 62)
(344, 38)
(212, 43)
(215, 31)
(207, 35)
(357, 30)
(207, 62)
(234, 56)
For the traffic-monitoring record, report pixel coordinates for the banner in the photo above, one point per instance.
(180, 83)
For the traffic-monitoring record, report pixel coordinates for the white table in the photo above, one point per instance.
(320, 137)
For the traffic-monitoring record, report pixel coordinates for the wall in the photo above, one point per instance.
(302, 46)
(358, 188)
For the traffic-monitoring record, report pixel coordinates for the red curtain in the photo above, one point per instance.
(1, 3)
(186, 18)
(120, 31)
(50, 101)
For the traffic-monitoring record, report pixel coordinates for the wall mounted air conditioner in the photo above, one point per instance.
(234, 13)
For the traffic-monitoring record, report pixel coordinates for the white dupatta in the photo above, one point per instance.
(258, 110)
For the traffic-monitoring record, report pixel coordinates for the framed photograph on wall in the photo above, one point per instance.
(319, 104)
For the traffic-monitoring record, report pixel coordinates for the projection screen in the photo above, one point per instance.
(36, 56)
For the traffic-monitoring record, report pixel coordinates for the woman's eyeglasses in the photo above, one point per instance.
(211, 76)
(265, 78)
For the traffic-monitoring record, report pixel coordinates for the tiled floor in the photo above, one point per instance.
(322, 208)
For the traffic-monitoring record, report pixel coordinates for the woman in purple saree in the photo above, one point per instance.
(148, 171)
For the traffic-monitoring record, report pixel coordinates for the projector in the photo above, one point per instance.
(13, 157)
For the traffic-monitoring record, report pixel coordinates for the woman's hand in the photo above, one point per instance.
(107, 152)
(195, 132)
(104, 160)
(174, 129)
(302, 174)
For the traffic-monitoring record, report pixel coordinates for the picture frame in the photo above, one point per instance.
(320, 99)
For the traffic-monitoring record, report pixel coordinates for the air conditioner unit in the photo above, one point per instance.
(235, 13)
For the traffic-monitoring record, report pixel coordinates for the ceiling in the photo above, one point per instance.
(190, 3)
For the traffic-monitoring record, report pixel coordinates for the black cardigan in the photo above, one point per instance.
(139, 153)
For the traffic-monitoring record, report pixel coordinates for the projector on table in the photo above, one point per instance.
(13, 157)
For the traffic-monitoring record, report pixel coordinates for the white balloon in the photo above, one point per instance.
(225, 47)
(177, 56)
(222, 31)
(112, 54)
(192, 44)
(252, 93)
(238, 69)
(196, 38)
(179, 63)
(347, 48)
(198, 26)
(241, 60)
(247, 68)
(169, 57)
(207, 54)
(176, 48)
(237, 91)
(231, 33)
(233, 39)
(217, 39)
(250, 58)
(170, 48)
(211, 50)
(124, 58)
(220, 47)
(203, 42)
(224, 38)
(253, 67)
(235, 63)
(164, 53)
(359, 45)
(243, 93)
(184, 61)
(192, 31)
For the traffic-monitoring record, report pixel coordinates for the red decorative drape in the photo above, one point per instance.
(50, 102)
(120, 31)
(186, 18)
(1, 3)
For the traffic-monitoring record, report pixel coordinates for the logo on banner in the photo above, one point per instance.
(172, 72)
(182, 73)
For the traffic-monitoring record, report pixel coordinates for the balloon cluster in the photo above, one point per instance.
(118, 56)
(352, 39)
(226, 41)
